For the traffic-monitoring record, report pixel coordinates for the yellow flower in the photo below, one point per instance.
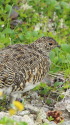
(12, 111)
(18, 105)
(1, 93)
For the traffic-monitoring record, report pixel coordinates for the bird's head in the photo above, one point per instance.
(47, 43)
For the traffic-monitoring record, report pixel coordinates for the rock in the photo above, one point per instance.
(41, 117)
(15, 23)
(64, 105)
(26, 112)
(13, 14)
(27, 119)
(65, 123)
(52, 123)
(32, 109)
(24, 118)
(3, 114)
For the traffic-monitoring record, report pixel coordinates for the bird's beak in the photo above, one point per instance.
(58, 46)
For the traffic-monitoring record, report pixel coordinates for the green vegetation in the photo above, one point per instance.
(8, 121)
(40, 18)
(50, 118)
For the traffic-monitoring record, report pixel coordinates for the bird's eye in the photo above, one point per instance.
(50, 43)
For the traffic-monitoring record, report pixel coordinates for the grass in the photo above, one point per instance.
(9, 121)
(43, 18)
(39, 21)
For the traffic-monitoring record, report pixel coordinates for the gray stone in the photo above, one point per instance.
(65, 123)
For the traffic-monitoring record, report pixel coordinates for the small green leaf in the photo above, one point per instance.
(8, 31)
(52, 55)
(8, 7)
(22, 123)
(58, 84)
(48, 101)
(50, 118)
(65, 47)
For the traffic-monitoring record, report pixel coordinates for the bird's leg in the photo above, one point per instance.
(15, 96)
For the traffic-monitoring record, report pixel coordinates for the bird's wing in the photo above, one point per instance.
(20, 64)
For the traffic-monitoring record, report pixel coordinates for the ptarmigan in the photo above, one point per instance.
(22, 67)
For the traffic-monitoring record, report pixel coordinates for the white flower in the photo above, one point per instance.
(37, 27)
(2, 25)
(26, 6)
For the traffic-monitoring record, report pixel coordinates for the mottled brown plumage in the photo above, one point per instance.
(24, 66)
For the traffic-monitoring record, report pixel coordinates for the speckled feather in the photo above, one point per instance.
(25, 65)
